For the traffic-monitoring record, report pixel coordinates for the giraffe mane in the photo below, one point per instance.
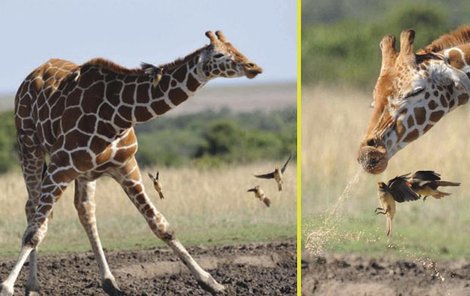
(458, 37)
(113, 67)
(178, 62)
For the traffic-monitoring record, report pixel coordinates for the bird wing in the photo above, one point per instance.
(285, 165)
(400, 189)
(266, 176)
(151, 177)
(426, 176)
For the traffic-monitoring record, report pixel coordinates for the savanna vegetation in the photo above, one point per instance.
(340, 38)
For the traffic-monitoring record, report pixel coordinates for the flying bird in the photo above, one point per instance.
(397, 189)
(156, 184)
(259, 193)
(426, 183)
(276, 175)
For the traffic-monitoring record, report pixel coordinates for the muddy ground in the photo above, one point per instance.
(251, 269)
(355, 275)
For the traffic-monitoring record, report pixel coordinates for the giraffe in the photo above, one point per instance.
(413, 92)
(82, 117)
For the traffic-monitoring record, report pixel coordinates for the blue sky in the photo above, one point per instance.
(130, 32)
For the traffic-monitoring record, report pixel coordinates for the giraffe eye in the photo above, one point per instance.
(218, 56)
(414, 92)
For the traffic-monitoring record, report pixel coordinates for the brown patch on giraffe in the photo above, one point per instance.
(180, 73)
(58, 109)
(121, 122)
(82, 160)
(125, 112)
(98, 144)
(105, 129)
(164, 83)
(428, 127)
(436, 115)
(443, 101)
(462, 99)
(435, 93)
(87, 123)
(75, 139)
(150, 213)
(106, 112)
(113, 92)
(413, 135)
(432, 105)
(128, 94)
(192, 84)
(92, 97)
(143, 95)
(177, 96)
(420, 115)
(452, 103)
(44, 112)
(427, 95)
(142, 113)
(75, 97)
(410, 122)
(159, 106)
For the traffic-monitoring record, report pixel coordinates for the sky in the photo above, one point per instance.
(130, 32)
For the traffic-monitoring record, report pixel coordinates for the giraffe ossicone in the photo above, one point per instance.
(82, 116)
(413, 92)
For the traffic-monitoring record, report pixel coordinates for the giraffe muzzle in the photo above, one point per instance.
(373, 159)
(252, 70)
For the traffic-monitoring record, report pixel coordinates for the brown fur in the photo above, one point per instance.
(458, 37)
(177, 63)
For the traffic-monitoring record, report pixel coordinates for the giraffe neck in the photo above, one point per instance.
(439, 99)
(137, 96)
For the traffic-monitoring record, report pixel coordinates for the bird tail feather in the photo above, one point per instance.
(447, 183)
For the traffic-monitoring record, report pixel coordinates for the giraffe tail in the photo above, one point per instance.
(161, 195)
(279, 186)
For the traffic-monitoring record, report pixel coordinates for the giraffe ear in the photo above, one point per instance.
(445, 74)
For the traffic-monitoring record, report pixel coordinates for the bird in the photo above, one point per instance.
(397, 189)
(156, 184)
(276, 174)
(426, 183)
(259, 193)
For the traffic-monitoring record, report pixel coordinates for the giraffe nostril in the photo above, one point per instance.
(371, 142)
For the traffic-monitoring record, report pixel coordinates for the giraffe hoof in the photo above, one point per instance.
(32, 289)
(6, 291)
(212, 286)
(111, 288)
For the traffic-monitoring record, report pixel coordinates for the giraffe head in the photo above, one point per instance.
(412, 93)
(221, 59)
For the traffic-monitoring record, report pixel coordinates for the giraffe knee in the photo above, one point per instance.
(34, 234)
(161, 227)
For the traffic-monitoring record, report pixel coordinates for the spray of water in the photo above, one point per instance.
(329, 232)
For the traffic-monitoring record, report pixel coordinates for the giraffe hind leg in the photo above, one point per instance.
(131, 181)
(33, 166)
(85, 205)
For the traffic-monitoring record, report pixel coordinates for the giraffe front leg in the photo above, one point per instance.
(131, 181)
(85, 205)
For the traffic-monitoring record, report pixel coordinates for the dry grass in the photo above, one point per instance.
(333, 125)
(202, 205)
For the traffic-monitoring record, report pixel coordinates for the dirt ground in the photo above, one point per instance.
(355, 275)
(251, 269)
